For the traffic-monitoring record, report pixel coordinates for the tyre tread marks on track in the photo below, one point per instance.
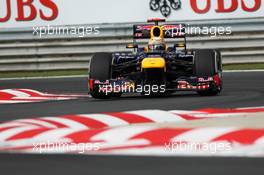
(19, 135)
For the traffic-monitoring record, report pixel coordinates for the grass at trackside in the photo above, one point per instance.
(244, 66)
(84, 72)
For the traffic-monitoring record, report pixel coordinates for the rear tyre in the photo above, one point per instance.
(100, 69)
(207, 65)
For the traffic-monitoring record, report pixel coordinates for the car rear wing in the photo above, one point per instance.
(170, 31)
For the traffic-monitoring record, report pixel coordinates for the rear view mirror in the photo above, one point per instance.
(132, 46)
(180, 45)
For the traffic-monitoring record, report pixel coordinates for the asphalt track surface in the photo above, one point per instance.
(240, 90)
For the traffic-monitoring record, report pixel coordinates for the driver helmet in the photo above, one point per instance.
(156, 44)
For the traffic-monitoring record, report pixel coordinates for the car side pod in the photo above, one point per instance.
(153, 63)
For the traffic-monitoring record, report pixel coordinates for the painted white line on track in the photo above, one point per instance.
(14, 101)
(241, 71)
(251, 107)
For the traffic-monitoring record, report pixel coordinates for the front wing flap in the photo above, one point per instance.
(180, 84)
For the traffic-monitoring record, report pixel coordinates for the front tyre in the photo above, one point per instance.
(100, 69)
(208, 64)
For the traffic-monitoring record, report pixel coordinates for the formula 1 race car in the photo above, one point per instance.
(156, 69)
